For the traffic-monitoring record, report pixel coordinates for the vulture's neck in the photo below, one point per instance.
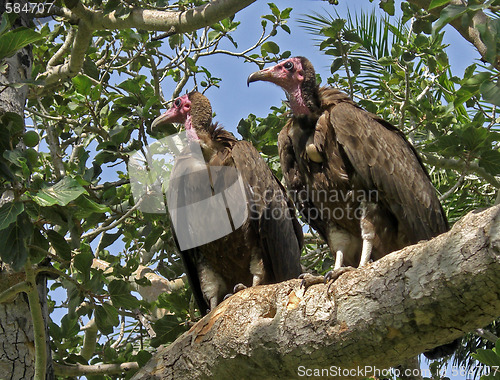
(305, 106)
(190, 129)
(297, 103)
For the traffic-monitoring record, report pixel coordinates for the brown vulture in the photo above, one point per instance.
(353, 176)
(266, 246)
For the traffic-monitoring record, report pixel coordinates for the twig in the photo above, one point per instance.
(96, 369)
(94, 233)
(11, 293)
(38, 323)
(486, 335)
(449, 163)
(455, 186)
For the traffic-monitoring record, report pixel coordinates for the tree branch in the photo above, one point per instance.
(461, 166)
(96, 369)
(468, 30)
(38, 323)
(408, 302)
(9, 294)
(172, 22)
(166, 21)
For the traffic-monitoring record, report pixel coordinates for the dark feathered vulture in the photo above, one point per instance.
(354, 177)
(266, 247)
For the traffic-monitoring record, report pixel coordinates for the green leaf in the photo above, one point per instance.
(167, 330)
(83, 262)
(16, 39)
(270, 150)
(386, 61)
(355, 65)
(107, 239)
(59, 244)
(106, 316)
(9, 212)
(15, 239)
(274, 9)
(334, 29)
(490, 160)
(448, 14)
(437, 3)
(86, 207)
(487, 357)
(387, 6)
(270, 47)
(420, 41)
(352, 36)
(336, 65)
(63, 192)
(119, 291)
(83, 84)
(490, 92)
(5, 24)
(152, 237)
(286, 28)
(143, 357)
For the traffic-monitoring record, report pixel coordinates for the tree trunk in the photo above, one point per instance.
(17, 352)
(408, 302)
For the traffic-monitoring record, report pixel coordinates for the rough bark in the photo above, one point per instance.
(408, 302)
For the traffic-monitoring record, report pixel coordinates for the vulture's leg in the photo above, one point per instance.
(212, 285)
(341, 243)
(257, 269)
(367, 234)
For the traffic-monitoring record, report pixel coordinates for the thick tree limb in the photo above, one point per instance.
(178, 22)
(172, 22)
(408, 302)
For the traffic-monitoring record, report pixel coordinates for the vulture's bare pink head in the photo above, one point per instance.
(297, 77)
(193, 110)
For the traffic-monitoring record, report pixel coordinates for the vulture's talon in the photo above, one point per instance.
(334, 274)
(227, 296)
(238, 288)
(309, 279)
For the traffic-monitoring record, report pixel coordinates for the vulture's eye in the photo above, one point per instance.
(288, 65)
(177, 102)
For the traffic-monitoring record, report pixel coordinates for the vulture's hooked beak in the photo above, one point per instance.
(165, 118)
(264, 75)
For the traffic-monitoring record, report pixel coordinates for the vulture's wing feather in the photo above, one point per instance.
(384, 160)
(296, 182)
(278, 230)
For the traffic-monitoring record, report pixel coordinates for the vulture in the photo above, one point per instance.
(353, 176)
(264, 243)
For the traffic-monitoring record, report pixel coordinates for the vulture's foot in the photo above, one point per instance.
(334, 274)
(309, 279)
(237, 288)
